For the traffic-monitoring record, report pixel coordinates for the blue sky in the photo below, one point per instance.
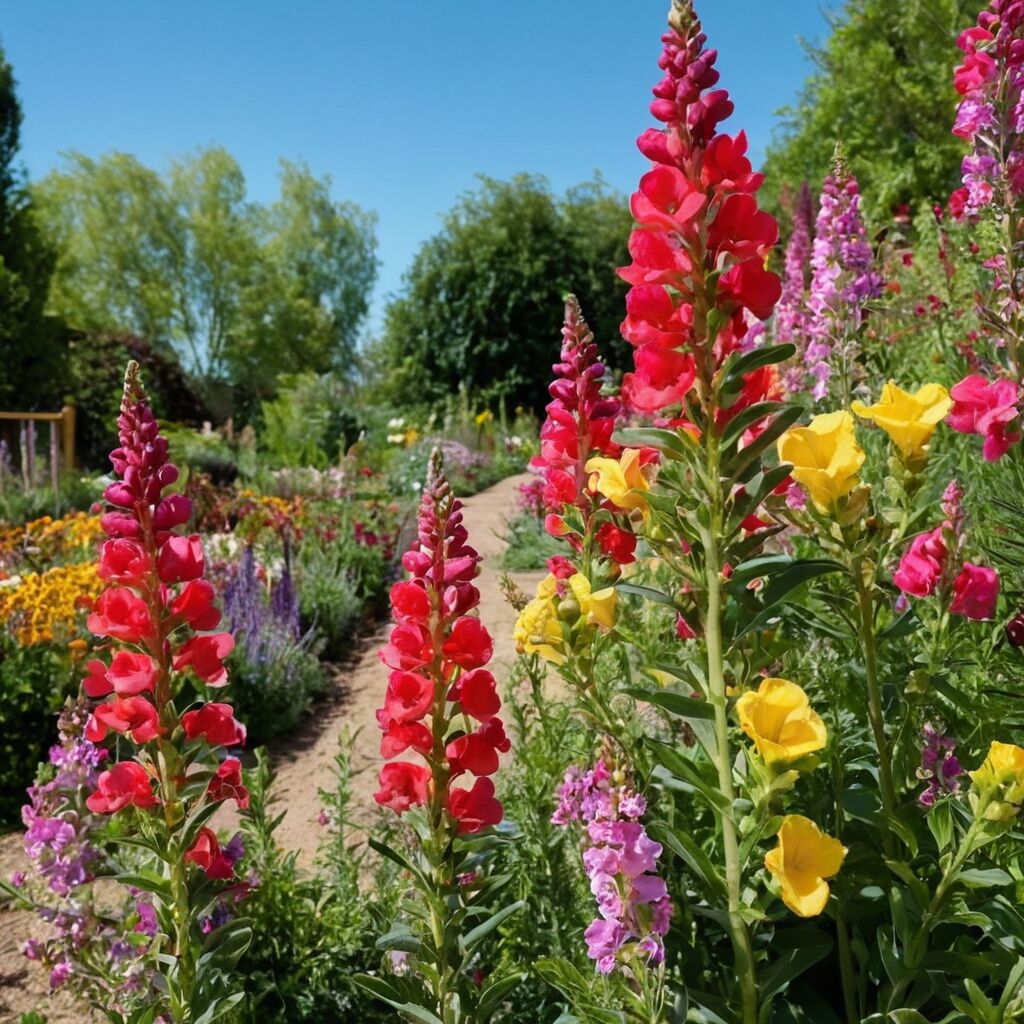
(402, 102)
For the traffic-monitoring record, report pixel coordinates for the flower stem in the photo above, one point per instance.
(866, 628)
(738, 932)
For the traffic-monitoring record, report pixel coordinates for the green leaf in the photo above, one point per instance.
(940, 824)
(685, 847)
(678, 766)
(795, 575)
(674, 703)
(672, 442)
(739, 365)
(789, 966)
(494, 994)
(984, 878)
(481, 931)
(907, 1016)
(647, 593)
(746, 418)
(387, 992)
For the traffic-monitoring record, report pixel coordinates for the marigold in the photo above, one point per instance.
(45, 607)
(804, 858)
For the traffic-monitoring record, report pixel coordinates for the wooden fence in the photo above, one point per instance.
(62, 442)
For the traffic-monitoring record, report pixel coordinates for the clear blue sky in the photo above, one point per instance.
(401, 102)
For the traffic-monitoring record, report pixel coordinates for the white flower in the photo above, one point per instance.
(396, 424)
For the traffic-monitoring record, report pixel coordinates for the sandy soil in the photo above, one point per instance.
(304, 762)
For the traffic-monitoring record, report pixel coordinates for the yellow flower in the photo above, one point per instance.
(484, 417)
(801, 863)
(618, 480)
(825, 457)
(598, 607)
(779, 718)
(1002, 773)
(538, 629)
(46, 607)
(908, 419)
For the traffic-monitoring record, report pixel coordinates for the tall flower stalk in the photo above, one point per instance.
(699, 248)
(441, 704)
(155, 621)
(990, 117)
(792, 318)
(843, 281)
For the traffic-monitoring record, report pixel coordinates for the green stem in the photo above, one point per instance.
(847, 972)
(866, 626)
(182, 937)
(738, 931)
(918, 948)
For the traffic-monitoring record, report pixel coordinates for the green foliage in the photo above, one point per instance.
(528, 544)
(310, 422)
(311, 934)
(92, 378)
(240, 291)
(333, 591)
(31, 343)
(74, 493)
(33, 684)
(483, 298)
(273, 689)
(883, 86)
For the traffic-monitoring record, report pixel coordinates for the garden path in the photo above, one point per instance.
(303, 762)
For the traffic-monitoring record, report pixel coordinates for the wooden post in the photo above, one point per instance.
(55, 462)
(67, 426)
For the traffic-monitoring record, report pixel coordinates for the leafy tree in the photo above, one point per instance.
(482, 303)
(882, 85)
(242, 292)
(29, 343)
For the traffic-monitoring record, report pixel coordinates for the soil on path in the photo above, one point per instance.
(304, 762)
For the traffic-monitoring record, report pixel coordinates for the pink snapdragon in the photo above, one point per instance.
(791, 314)
(975, 592)
(921, 567)
(987, 408)
(621, 860)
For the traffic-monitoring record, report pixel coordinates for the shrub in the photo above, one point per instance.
(34, 680)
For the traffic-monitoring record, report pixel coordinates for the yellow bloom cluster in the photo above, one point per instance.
(50, 539)
(44, 607)
(1000, 779)
(538, 629)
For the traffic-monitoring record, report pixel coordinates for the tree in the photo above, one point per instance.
(481, 306)
(882, 86)
(240, 291)
(30, 344)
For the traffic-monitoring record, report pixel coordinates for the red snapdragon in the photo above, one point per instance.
(696, 217)
(579, 421)
(436, 652)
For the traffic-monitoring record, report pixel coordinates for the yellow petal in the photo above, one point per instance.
(803, 860)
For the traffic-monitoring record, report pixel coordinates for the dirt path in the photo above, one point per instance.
(304, 762)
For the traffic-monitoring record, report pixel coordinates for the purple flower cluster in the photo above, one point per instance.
(843, 277)
(991, 112)
(57, 828)
(81, 943)
(791, 316)
(621, 860)
(266, 628)
(939, 764)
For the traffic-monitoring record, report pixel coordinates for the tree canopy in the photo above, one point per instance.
(30, 343)
(240, 291)
(882, 86)
(481, 306)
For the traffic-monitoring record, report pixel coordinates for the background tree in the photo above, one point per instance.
(482, 303)
(240, 291)
(31, 344)
(883, 86)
